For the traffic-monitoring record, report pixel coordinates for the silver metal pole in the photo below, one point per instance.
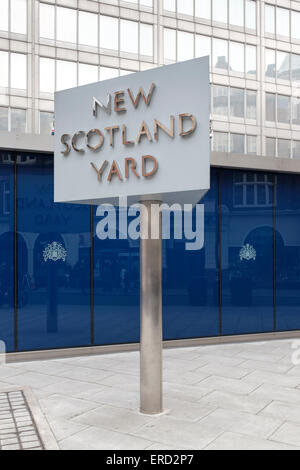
(151, 312)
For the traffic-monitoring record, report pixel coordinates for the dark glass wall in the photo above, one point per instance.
(62, 286)
(7, 241)
(53, 251)
(190, 278)
(287, 253)
(247, 252)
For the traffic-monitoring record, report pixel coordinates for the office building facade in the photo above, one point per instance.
(60, 285)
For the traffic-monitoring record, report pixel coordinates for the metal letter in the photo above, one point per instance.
(101, 139)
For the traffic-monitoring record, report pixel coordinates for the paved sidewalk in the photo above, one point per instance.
(238, 396)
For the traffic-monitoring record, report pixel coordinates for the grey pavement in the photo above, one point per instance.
(230, 396)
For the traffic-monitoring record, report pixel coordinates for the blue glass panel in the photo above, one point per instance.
(53, 261)
(190, 278)
(116, 288)
(247, 252)
(287, 252)
(7, 250)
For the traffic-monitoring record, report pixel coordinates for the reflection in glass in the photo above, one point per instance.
(237, 143)
(4, 15)
(282, 22)
(47, 18)
(295, 66)
(295, 22)
(146, 39)
(250, 14)
(54, 293)
(129, 36)
(250, 60)
(66, 74)
(236, 12)
(46, 123)
(220, 10)
(269, 19)
(3, 119)
(109, 33)
(220, 100)
(237, 106)
(190, 278)
(185, 46)
(220, 54)
(236, 57)
(287, 253)
(18, 120)
(87, 74)
(270, 63)
(270, 147)
(283, 109)
(47, 75)
(270, 107)
(87, 28)
(4, 69)
(203, 9)
(7, 250)
(251, 144)
(296, 149)
(247, 253)
(66, 24)
(220, 141)
(251, 104)
(283, 65)
(284, 148)
(18, 16)
(296, 111)
(18, 71)
(169, 44)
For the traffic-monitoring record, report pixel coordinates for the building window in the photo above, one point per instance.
(129, 37)
(47, 21)
(47, 75)
(106, 73)
(220, 11)
(185, 7)
(296, 149)
(295, 22)
(170, 5)
(236, 57)
(4, 69)
(296, 111)
(250, 14)
(87, 74)
(220, 142)
(202, 46)
(237, 143)
(270, 63)
(237, 105)
(220, 54)
(87, 29)
(270, 107)
(66, 74)
(270, 147)
(251, 104)
(18, 16)
(170, 44)
(283, 65)
(109, 33)
(236, 12)
(18, 71)
(203, 9)
(284, 148)
(270, 19)
(283, 109)
(282, 22)
(253, 189)
(4, 15)
(46, 123)
(3, 119)
(251, 144)
(250, 60)
(18, 120)
(220, 100)
(146, 40)
(66, 25)
(185, 46)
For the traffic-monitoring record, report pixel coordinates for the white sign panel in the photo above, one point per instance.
(143, 136)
